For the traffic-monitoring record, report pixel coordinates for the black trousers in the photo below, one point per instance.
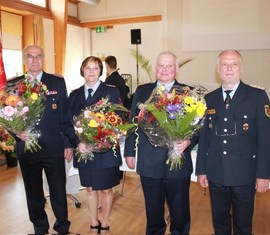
(232, 208)
(176, 193)
(32, 167)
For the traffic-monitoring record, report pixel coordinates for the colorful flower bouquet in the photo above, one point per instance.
(21, 107)
(101, 128)
(7, 142)
(169, 117)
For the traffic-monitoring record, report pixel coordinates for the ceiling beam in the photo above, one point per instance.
(94, 24)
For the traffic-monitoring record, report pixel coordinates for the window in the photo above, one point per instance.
(41, 3)
(13, 63)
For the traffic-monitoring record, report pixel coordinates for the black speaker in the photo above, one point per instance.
(136, 36)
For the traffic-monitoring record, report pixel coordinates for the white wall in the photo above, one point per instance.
(74, 57)
(168, 35)
(117, 42)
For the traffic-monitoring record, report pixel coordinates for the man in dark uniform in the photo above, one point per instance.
(159, 183)
(234, 150)
(115, 79)
(57, 134)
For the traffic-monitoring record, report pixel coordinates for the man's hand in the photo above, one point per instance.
(130, 160)
(68, 154)
(181, 145)
(262, 185)
(24, 135)
(203, 181)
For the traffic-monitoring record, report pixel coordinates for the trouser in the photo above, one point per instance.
(32, 167)
(176, 193)
(238, 200)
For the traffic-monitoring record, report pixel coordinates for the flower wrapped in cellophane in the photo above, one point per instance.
(21, 107)
(101, 127)
(169, 117)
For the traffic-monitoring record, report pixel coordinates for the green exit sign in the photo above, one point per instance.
(101, 29)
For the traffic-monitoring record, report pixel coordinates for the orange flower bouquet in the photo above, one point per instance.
(101, 128)
(21, 107)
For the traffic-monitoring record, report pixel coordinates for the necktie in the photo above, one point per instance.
(227, 99)
(89, 97)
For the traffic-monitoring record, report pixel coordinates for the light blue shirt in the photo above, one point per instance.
(231, 93)
(168, 86)
(94, 88)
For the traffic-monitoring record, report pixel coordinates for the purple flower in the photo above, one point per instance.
(172, 116)
(170, 108)
(178, 107)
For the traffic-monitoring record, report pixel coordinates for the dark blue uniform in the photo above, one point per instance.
(234, 150)
(57, 133)
(158, 182)
(93, 173)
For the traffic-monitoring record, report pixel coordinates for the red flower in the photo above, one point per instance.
(21, 88)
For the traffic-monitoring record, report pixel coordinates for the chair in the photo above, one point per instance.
(128, 79)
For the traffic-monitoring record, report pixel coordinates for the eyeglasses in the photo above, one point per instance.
(229, 65)
(32, 58)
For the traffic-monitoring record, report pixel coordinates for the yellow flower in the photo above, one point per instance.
(194, 106)
(201, 109)
(93, 123)
(34, 96)
(160, 89)
(188, 109)
(188, 100)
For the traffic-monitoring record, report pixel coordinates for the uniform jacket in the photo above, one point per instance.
(56, 127)
(151, 160)
(117, 80)
(78, 103)
(234, 147)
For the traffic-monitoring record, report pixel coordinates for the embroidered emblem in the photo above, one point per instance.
(245, 126)
(54, 106)
(51, 92)
(211, 111)
(267, 110)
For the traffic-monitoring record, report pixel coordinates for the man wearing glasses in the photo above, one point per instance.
(57, 134)
(234, 151)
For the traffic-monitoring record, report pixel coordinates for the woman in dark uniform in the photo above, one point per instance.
(101, 173)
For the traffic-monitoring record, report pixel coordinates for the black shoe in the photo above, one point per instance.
(98, 227)
(105, 228)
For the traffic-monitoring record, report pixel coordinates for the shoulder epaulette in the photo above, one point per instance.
(110, 85)
(58, 75)
(259, 87)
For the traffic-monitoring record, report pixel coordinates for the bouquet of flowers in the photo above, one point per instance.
(7, 142)
(101, 128)
(21, 107)
(168, 117)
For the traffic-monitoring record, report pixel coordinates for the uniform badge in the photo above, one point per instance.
(54, 106)
(267, 110)
(211, 111)
(210, 125)
(245, 126)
